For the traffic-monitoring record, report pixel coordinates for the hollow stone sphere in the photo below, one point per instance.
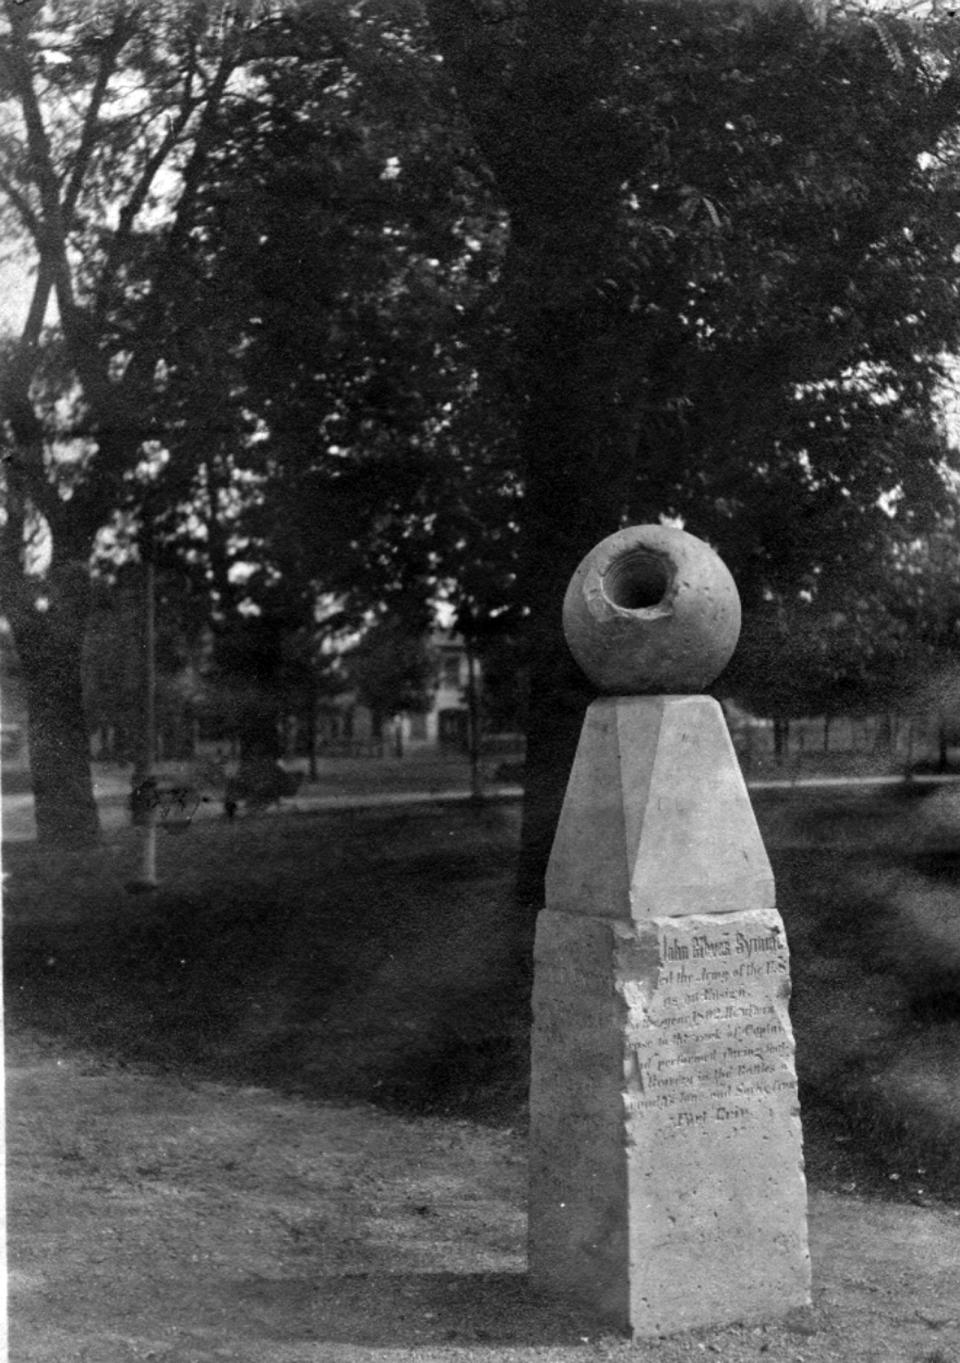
(652, 609)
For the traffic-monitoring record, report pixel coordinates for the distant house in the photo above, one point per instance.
(445, 722)
(111, 685)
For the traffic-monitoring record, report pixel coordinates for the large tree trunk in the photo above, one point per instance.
(553, 728)
(579, 465)
(577, 360)
(50, 646)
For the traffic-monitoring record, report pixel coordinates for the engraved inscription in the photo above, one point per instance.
(707, 1043)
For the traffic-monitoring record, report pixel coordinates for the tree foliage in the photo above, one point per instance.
(107, 115)
(320, 380)
(731, 275)
(348, 230)
(391, 669)
(342, 319)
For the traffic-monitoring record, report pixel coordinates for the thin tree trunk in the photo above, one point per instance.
(883, 734)
(473, 719)
(312, 732)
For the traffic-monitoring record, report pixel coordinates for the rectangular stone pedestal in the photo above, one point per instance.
(667, 1186)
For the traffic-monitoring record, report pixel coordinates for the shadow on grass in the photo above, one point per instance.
(406, 1310)
(343, 958)
(374, 957)
(875, 945)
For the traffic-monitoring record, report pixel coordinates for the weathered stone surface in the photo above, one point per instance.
(657, 819)
(666, 1170)
(651, 609)
(667, 1186)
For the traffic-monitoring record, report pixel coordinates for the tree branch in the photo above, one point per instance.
(22, 207)
(110, 51)
(138, 197)
(145, 357)
(52, 241)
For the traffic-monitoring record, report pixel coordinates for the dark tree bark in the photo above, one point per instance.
(50, 644)
(249, 662)
(311, 731)
(532, 91)
(54, 210)
(577, 457)
(883, 737)
(943, 746)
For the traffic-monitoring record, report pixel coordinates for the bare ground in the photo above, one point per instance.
(153, 1217)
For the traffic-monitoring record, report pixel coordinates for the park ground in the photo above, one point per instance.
(849, 751)
(273, 1111)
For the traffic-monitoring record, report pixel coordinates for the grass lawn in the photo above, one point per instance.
(363, 957)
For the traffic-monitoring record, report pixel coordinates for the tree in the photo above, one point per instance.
(320, 318)
(391, 669)
(108, 119)
(730, 277)
(350, 199)
(113, 671)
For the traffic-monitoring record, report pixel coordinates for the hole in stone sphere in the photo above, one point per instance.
(637, 580)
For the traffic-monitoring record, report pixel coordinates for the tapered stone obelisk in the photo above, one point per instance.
(666, 1171)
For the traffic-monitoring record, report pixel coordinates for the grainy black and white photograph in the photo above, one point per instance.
(480, 680)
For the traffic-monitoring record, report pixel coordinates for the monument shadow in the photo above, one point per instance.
(411, 1309)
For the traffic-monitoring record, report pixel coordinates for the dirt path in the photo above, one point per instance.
(152, 1218)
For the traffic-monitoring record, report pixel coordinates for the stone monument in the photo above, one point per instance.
(666, 1170)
